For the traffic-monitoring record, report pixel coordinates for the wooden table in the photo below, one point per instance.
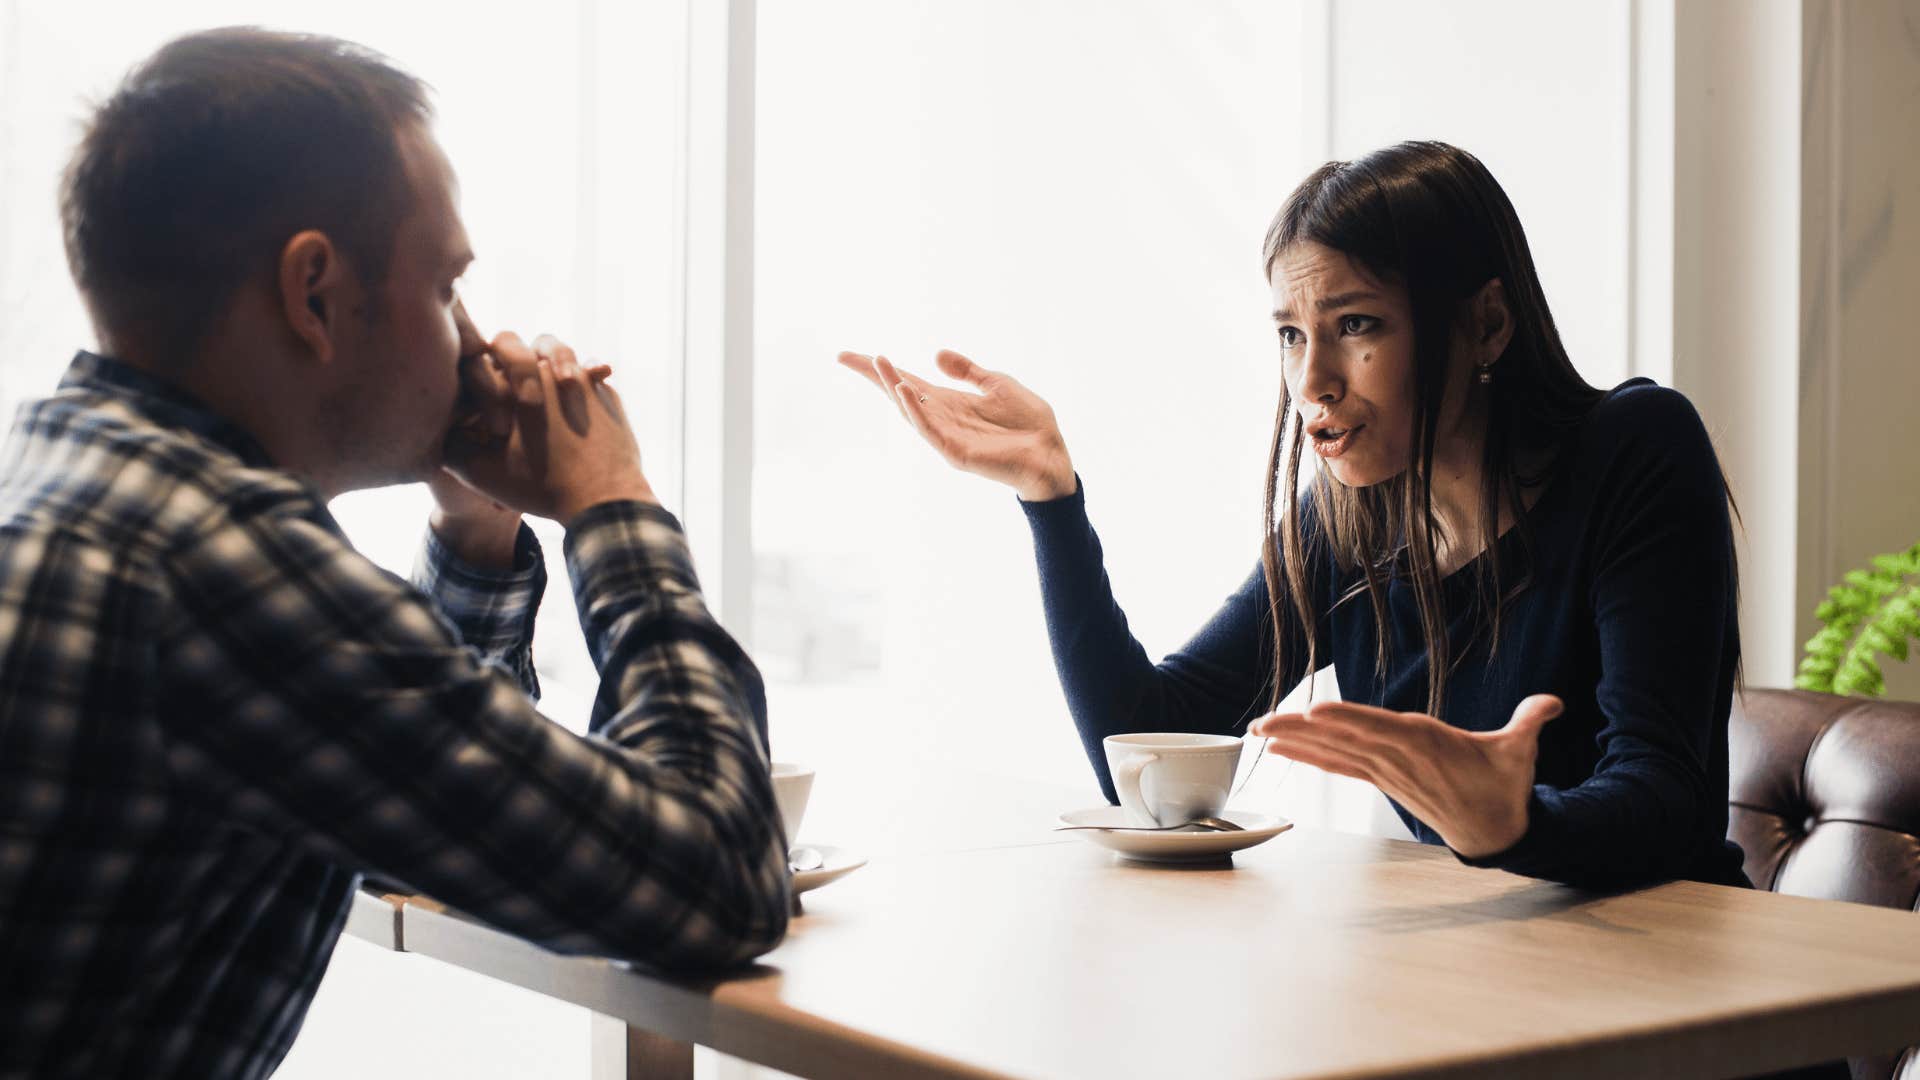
(1317, 954)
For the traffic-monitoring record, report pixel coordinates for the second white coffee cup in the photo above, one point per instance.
(1169, 778)
(791, 786)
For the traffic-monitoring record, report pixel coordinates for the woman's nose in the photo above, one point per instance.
(1320, 378)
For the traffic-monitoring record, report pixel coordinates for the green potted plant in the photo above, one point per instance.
(1874, 610)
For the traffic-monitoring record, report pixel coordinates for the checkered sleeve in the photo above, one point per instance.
(330, 705)
(493, 611)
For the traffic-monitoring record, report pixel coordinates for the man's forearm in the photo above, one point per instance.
(491, 606)
(484, 543)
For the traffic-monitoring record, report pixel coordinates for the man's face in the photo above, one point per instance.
(402, 380)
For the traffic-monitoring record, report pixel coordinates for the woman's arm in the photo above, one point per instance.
(1219, 680)
(1006, 432)
(1661, 590)
(1662, 595)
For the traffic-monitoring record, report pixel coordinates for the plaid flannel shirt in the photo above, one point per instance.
(215, 715)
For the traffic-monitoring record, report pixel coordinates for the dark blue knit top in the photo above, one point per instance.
(1629, 617)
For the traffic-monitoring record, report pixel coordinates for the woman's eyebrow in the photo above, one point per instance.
(1328, 303)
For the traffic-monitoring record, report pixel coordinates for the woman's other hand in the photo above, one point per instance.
(1005, 432)
(1471, 787)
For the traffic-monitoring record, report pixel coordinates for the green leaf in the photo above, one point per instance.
(1832, 639)
(1819, 665)
(1871, 610)
(1850, 599)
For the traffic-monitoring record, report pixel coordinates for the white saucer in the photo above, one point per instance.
(1195, 846)
(837, 863)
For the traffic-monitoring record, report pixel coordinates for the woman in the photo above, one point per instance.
(1490, 544)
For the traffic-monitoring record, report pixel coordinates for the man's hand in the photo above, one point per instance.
(1470, 787)
(566, 444)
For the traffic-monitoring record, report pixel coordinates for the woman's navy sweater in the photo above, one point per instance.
(1628, 616)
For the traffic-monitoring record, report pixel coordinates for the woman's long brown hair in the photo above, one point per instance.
(1431, 218)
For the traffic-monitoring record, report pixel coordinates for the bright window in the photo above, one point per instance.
(1069, 192)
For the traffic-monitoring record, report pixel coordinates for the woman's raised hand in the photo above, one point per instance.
(1004, 432)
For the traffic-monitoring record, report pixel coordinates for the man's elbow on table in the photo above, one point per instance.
(749, 896)
(731, 912)
(764, 894)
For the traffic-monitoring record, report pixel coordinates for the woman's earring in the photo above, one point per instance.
(1486, 374)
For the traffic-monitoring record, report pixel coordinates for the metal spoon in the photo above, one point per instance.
(1204, 824)
(805, 858)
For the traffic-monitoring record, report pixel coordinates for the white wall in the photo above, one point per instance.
(1795, 184)
(1538, 92)
(1859, 420)
(1736, 111)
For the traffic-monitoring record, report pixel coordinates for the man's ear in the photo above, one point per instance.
(1492, 321)
(314, 286)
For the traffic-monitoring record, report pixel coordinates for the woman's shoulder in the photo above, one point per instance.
(1640, 404)
(1643, 433)
(1639, 419)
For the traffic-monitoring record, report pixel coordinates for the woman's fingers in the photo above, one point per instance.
(1348, 712)
(870, 369)
(974, 432)
(914, 406)
(1532, 714)
(862, 365)
(1385, 755)
(882, 373)
(1273, 723)
(959, 367)
(895, 377)
(1321, 754)
(909, 393)
(1328, 751)
(901, 381)
(896, 385)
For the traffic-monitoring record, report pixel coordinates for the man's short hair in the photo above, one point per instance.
(211, 155)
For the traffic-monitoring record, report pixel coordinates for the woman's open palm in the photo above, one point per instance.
(1005, 432)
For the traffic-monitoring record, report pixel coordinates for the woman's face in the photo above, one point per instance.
(1346, 347)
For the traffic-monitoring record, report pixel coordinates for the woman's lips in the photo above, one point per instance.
(1330, 448)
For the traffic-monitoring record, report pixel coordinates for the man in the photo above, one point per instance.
(214, 714)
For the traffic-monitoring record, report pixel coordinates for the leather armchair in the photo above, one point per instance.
(1825, 801)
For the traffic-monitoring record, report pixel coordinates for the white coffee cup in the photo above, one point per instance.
(791, 786)
(1170, 778)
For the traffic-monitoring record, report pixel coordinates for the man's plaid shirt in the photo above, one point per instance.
(215, 716)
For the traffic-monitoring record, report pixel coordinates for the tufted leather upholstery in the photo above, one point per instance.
(1825, 801)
